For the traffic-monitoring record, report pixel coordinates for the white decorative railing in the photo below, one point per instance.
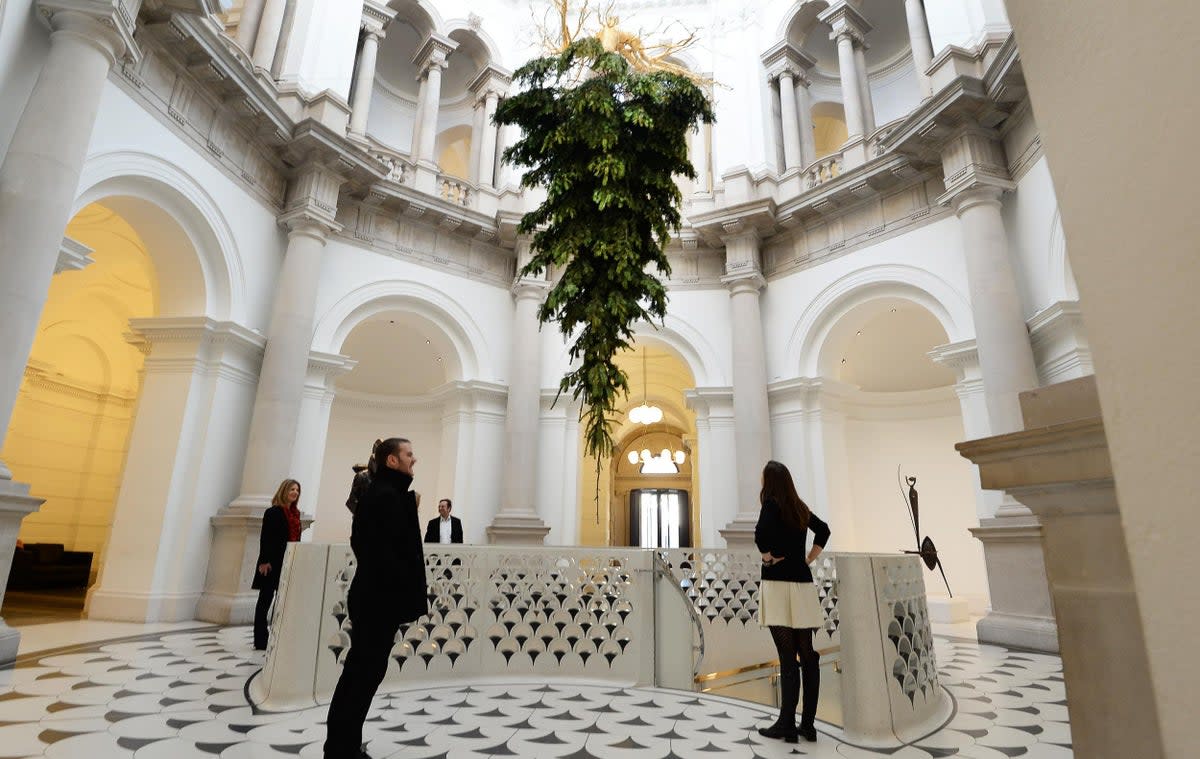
(628, 616)
(454, 190)
(823, 170)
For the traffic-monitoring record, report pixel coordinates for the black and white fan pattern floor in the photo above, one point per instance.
(181, 695)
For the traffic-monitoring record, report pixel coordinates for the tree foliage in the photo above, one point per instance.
(606, 142)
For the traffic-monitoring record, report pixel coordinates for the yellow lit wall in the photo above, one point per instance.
(70, 427)
(829, 128)
(454, 152)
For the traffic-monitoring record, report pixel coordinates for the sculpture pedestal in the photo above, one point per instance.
(1022, 615)
(15, 504)
(517, 531)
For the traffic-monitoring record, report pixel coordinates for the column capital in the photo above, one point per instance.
(73, 256)
(528, 288)
(785, 58)
(105, 24)
(744, 282)
(433, 52)
(973, 159)
(312, 199)
(375, 18)
(491, 79)
(846, 21)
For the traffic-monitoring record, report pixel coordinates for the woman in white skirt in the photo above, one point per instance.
(787, 601)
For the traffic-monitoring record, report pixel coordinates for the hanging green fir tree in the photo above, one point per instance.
(606, 141)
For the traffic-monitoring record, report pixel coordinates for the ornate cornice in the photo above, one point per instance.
(73, 256)
(491, 79)
(784, 57)
(961, 356)
(101, 21)
(846, 21)
(433, 52)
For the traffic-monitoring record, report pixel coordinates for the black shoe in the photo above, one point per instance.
(808, 733)
(780, 730)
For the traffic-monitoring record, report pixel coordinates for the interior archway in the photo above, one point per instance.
(897, 413)
(73, 418)
(404, 384)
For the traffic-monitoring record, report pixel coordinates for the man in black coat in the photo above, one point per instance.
(444, 528)
(388, 590)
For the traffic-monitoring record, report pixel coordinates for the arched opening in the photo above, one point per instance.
(394, 98)
(454, 151)
(71, 426)
(888, 410)
(829, 128)
(404, 384)
(658, 378)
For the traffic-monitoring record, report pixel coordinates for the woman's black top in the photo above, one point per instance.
(774, 535)
(272, 542)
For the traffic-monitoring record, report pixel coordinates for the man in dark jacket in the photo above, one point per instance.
(388, 590)
(444, 528)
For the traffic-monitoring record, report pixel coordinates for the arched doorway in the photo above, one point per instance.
(623, 515)
(74, 413)
(887, 409)
(411, 379)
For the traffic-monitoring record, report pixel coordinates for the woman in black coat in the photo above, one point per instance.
(280, 526)
(788, 602)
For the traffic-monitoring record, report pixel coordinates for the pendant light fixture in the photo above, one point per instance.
(645, 413)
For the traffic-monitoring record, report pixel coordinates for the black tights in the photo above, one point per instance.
(797, 659)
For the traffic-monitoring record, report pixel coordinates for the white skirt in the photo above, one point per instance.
(789, 604)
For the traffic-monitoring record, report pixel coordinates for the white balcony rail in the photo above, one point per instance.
(627, 616)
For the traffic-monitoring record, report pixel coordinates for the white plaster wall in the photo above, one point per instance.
(391, 119)
(961, 22)
(124, 127)
(934, 249)
(352, 429)
(329, 39)
(351, 274)
(23, 47)
(1028, 219)
(894, 94)
(916, 431)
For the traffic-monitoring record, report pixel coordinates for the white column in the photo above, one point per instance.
(517, 520)
(793, 154)
(864, 86)
(750, 407)
(698, 152)
(808, 141)
(308, 455)
(430, 61)
(487, 140)
(40, 173)
(15, 505)
(247, 30)
(364, 81)
(197, 387)
(280, 393)
(849, 31)
(851, 94)
(267, 37)
(418, 116)
(1005, 353)
(918, 39)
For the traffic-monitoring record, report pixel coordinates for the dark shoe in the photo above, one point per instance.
(780, 730)
(808, 733)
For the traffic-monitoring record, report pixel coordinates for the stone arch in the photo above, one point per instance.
(181, 225)
(950, 307)
(460, 27)
(335, 325)
(800, 19)
(420, 14)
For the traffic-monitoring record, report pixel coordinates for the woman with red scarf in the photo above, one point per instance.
(280, 526)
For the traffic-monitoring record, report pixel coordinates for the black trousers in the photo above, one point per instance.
(265, 596)
(371, 640)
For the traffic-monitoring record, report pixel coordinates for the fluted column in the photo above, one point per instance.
(793, 156)
(487, 140)
(849, 30)
(786, 66)
(40, 172)
(364, 81)
(270, 27)
(752, 423)
(864, 86)
(431, 60)
(279, 395)
(517, 520)
(247, 31)
(918, 39)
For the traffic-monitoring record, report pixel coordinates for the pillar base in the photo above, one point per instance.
(132, 606)
(15, 504)
(518, 531)
(1022, 614)
(854, 152)
(228, 598)
(739, 534)
(10, 642)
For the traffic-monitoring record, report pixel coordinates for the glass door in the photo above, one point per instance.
(659, 518)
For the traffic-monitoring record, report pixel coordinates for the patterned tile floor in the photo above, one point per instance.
(181, 695)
